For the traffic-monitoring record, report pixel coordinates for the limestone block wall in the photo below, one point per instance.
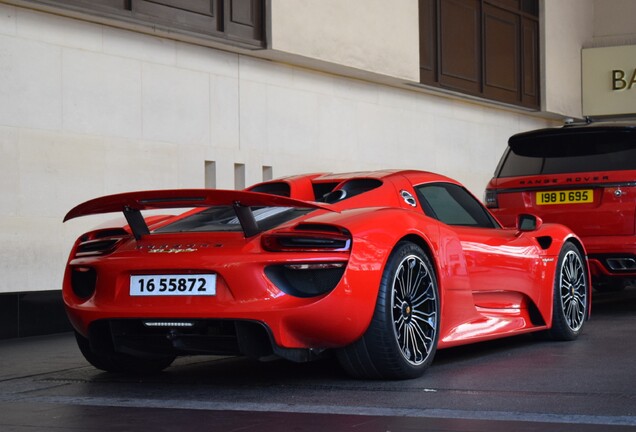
(88, 110)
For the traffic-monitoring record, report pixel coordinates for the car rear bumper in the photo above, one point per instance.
(167, 337)
(611, 255)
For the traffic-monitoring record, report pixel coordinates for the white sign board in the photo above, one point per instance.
(609, 81)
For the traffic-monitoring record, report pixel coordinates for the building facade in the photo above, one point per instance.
(106, 96)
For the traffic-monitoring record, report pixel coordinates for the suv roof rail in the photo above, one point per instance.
(577, 122)
(599, 119)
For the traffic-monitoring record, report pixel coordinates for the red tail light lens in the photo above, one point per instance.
(306, 242)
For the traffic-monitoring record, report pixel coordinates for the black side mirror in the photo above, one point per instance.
(528, 222)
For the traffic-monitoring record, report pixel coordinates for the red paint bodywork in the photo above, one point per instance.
(492, 282)
(605, 226)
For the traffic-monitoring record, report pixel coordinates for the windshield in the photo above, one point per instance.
(585, 151)
(224, 219)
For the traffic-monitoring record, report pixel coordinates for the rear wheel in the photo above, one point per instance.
(401, 340)
(111, 361)
(570, 295)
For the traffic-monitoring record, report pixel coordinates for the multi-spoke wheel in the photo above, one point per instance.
(414, 308)
(571, 294)
(402, 338)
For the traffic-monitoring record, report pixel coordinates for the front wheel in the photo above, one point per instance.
(401, 340)
(570, 294)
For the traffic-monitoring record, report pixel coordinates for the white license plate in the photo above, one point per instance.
(173, 285)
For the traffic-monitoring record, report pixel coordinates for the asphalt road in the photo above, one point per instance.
(516, 384)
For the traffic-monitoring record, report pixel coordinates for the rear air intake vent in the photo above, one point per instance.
(96, 247)
(306, 280)
(545, 242)
(100, 242)
(83, 280)
(350, 189)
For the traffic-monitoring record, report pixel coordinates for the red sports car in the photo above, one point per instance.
(382, 268)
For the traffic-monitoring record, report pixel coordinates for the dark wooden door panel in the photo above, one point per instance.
(238, 22)
(488, 48)
(243, 19)
(204, 7)
(530, 62)
(199, 18)
(501, 54)
(459, 45)
(428, 37)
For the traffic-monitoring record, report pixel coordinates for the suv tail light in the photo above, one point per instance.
(490, 198)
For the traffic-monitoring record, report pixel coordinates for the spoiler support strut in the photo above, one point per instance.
(136, 222)
(246, 219)
(244, 213)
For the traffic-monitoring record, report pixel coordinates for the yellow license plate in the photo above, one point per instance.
(579, 196)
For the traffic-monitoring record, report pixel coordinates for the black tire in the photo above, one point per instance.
(110, 361)
(570, 295)
(401, 340)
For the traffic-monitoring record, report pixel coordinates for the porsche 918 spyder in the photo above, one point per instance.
(381, 268)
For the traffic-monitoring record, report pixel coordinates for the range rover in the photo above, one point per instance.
(582, 176)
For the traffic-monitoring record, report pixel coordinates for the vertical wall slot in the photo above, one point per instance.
(239, 176)
(210, 174)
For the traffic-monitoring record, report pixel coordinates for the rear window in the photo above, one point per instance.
(224, 219)
(582, 151)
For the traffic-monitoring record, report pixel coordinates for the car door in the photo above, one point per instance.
(502, 265)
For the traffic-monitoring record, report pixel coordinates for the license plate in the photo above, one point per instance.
(579, 196)
(173, 285)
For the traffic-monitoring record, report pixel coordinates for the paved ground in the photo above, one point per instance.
(519, 384)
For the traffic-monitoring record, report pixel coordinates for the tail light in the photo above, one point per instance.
(490, 198)
(307, 241)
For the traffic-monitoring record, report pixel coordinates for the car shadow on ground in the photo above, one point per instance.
(237, 371)
(614, 303)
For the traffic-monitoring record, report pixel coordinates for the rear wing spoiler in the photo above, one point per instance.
(131, 204)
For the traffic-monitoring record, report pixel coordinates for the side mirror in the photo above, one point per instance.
(528, 222)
